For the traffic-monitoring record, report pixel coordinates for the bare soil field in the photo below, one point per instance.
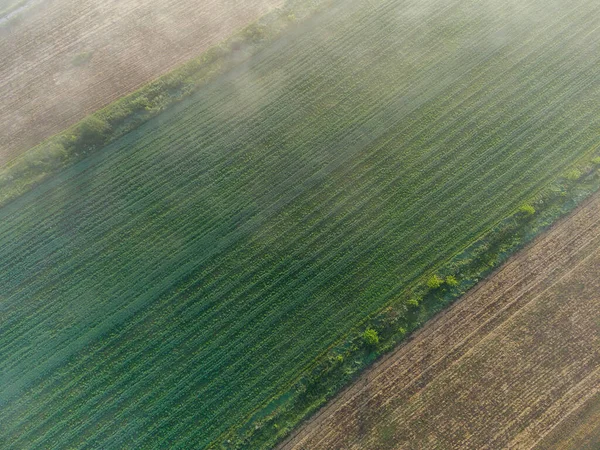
(579, 431)
(63, 59)
(514, 364)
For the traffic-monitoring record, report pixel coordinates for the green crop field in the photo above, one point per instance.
(162, 291)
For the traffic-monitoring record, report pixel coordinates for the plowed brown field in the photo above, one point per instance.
(66, 58)
(514, 364)
(580, 430)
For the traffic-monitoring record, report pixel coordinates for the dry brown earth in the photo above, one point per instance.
(579, 431)
(66, 58)
(515, 364)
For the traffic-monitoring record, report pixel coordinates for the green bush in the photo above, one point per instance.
(413, 302)
(254, 33)
(434, 282)
(92, 131)
(527, 210)
(451, 281)
(370, 337)
(573, 175)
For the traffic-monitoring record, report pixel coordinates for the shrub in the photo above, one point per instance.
(527, 210)
(451, 281)
(413, 302)
(254, 33)
(92, 131)
(370, 337)
(573, 175)
(434, 282)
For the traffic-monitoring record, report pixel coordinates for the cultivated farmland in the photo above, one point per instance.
(172, 288)
(580, 430)
(514, 360)
(62, 59)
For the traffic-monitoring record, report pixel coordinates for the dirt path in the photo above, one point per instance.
(66, 58)
(502, 368)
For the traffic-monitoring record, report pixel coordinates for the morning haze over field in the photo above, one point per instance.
(64, 59)
(307, 224)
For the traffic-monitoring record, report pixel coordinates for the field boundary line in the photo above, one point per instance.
(473, 336)
(431, 328)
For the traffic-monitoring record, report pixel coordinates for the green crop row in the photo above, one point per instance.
(207, 279)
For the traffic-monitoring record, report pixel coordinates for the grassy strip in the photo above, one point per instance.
(128, 113)
(383, 331)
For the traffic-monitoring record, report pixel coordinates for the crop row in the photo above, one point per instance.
(188, 274)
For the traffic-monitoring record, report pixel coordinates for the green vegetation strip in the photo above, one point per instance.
(211, 277)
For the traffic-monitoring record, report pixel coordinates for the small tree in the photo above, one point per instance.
(370, 337)
(435, 282)
(92, 131)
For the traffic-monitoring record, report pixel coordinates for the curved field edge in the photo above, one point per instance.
(345, 361)
(100, 128)
(342, 193)
(504, 367)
